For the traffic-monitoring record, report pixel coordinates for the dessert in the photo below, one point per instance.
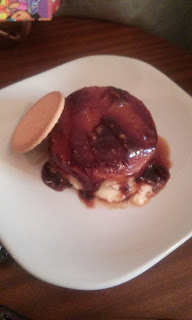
(105, 146)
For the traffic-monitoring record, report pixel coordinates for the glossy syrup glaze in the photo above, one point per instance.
(103, 133)
(156, 172)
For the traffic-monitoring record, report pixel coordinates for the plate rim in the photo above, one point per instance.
(128, 276)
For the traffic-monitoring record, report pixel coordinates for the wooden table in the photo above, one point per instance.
(164, 291)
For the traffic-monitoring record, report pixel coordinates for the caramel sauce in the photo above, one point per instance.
(156, 174)
(87, 198)
(163, 153)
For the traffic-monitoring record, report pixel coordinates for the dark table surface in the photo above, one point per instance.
(164, 291)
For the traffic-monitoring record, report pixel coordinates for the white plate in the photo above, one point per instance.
(51, 234)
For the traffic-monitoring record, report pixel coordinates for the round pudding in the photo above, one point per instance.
(102, 143)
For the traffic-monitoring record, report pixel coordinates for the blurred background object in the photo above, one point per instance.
(170, 19)
(25, 10)
(8, 314)
(3, 253)
(13, 32)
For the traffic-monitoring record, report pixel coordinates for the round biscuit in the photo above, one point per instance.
(38, 122)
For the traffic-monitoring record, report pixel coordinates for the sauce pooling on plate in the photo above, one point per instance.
(156, 174)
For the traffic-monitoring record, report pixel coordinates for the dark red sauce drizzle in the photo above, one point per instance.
(105, 133)
(53, 178)
(156, 174)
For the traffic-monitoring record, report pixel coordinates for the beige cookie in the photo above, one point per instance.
(38, 122)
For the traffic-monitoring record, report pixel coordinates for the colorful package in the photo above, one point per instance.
(15, 10)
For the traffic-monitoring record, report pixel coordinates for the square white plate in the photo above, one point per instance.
(52, 234)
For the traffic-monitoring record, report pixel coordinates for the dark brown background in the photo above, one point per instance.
(164, 291)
